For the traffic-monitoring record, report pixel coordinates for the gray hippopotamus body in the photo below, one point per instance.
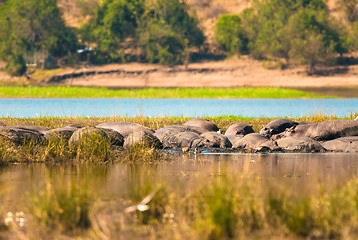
(250, 141)
(342, 144)
(239, 129)
(324, 131)
(125, 128)
(202, 123)
(277, 126)
(300, 144)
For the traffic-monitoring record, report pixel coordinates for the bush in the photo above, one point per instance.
(162, 29)
(162, 45)
(16, 66)
(229, 34)
(312, 40)
(298, 31)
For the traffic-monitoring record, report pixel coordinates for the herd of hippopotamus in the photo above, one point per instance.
(280, 135)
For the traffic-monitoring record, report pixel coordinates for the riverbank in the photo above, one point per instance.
(232, 73)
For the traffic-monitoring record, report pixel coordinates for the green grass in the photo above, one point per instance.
(78, 92)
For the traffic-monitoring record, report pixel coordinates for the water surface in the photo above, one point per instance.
(107, 107)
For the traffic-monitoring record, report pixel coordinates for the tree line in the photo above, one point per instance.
(165, 31)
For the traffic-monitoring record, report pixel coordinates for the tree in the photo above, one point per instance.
(229, 34)
(162, 45)
(34, 25)
(312, 40)
(160, 29)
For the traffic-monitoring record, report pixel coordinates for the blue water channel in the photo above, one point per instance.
(107, 107)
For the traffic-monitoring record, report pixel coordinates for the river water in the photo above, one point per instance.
(185, 170)
(107, 107)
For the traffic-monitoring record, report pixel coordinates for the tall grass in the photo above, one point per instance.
(78, 92)
(65, 205)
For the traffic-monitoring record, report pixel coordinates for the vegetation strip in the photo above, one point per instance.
(78, 92)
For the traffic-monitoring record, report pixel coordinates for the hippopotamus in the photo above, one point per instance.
(174, 129)
(217, 139)
(250, 141)
(41, 129)
(114, 137)
(202, 123)
(300, 144)
(340, 144)
(277, 126)
(324, 131)
(78, 135)
(21, 134)
(186, 139)
(62, 133)
(141, 137)
(304, 122)
(239, 129)
(125, 128)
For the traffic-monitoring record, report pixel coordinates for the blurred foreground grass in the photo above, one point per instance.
(226, 206)
(83, 92)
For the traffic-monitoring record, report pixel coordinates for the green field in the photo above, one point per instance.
(79, 92)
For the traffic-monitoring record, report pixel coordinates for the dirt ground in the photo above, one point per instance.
(242, 72)
(238, 72)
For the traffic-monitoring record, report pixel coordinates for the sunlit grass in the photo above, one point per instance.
(79, 92)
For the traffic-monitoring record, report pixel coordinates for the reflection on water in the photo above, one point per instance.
(123, 194)
(185, 171)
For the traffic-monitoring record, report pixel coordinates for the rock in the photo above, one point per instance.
(239, 129)
(144, 138)
(324, 131)
(202, 123)
(339, 144)
(218, 140)
(187, 140)
(174, 129)
(300, 144)
(250, 141)
(277, 126)
(2, 124)
(78, 135)
(125, 128)
(20, 135)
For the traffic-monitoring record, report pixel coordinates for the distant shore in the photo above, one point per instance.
(234, 73)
